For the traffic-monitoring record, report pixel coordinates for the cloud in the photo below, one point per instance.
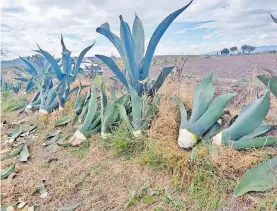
(205, 26)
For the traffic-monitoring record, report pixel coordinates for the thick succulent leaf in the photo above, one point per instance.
(31, 67)
(6, 172)
(80, 58)
(183, 112)
(261, 177)
(273, 18)
(105, 30)
(272, 84)
(104, 99)
(129, 50)
(66, 60)
(96, 122)
(16, 132)
(249, 119)
(124, 117)
(109, 118)
(259, 131)
(211, 116)
(160, 80)
(53, 64)
(51, 138)
(212, 131)
(64, 120)
(136, 108)
(139, 39)
(251, 143)
(13, 153)
(92, 108)
(113, 66)
(202, 98)
(156, 38)
(21, 79)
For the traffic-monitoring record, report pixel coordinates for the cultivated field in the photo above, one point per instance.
(149, 173)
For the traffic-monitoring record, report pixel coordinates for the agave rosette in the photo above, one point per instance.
(206, 111)
(246, 130)
(131, 48)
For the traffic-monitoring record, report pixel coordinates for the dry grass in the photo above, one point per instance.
(101, 180)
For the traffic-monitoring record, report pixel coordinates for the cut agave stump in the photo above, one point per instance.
(77, 138)
(43, 111)
(28, 108)
(186, 139)
(105, 136)
(137, 133)
(217, 140)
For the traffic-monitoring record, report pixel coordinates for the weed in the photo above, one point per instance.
(269, 202)
(13, 103)
(207, 189)
(45, 165)
(81, 151)
(153, 158)
(123, 144)
(176, 205)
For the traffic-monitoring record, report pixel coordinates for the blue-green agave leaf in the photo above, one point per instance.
(129, 50)
(272, 85)
(202, 97)
(183, 112)
(32, 68)
(139, 39)
(261, 177)
(53, 64)
(156, 38)
(160, 80)
(21, 79)
(251, 143)
(105, 30)
(136, 108)
(259, 131)
(80, 58)
(112, 65)
(250, 118)
(273, 18)
(211, 116)
(66, 60)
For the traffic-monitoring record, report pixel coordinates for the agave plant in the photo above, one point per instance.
(244, 131)
(205, 113)
(131, 47)
(92, 120)
(142, 112)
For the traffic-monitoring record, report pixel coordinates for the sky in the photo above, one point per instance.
(207, 25)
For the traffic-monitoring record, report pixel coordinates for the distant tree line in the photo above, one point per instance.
(245, 49)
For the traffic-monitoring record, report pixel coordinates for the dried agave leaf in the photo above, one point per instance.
(24, 154)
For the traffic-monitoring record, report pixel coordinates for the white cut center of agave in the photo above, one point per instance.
(217, 140)
(29, 106)
(105, 135)
(60, 108)
(186, 139)
(80, 136)
(137, 133)
(42, 111)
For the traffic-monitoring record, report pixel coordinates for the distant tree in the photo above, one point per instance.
(225, 51)
(233, 49)
(247, 48)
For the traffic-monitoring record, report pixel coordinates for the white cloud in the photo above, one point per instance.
(27, 22)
